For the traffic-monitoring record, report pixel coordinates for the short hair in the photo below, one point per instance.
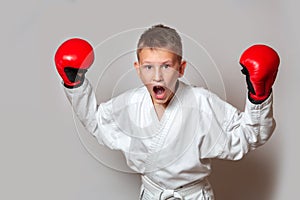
(161, 36)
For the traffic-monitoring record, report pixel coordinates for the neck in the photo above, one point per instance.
(159, 110)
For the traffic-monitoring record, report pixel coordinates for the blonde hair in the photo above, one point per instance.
(161, 36)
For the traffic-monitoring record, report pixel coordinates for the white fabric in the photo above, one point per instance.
(198, 190)
(173, 151)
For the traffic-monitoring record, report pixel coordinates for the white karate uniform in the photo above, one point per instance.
(176, 150)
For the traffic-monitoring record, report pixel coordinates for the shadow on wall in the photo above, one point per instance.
(252, 178)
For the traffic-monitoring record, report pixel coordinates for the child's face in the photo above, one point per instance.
(159, 70)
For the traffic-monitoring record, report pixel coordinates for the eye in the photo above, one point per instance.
(148, 67)
(166, 66)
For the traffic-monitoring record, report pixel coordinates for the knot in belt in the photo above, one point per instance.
(170, 194)
(160, 193)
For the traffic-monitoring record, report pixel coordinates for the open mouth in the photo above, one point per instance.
(159, 91)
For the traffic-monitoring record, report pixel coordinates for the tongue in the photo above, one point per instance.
(159, 91)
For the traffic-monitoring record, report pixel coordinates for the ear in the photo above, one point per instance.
(182, 68)
(137, 67)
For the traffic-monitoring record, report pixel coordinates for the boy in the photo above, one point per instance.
(167, 129)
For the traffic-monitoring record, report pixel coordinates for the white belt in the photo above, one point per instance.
(165, 194)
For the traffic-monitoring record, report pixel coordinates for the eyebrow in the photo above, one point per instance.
(164, 62)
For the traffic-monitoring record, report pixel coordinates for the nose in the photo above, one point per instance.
(158, 75)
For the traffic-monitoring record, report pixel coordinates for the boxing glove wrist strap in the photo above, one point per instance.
(256, 101)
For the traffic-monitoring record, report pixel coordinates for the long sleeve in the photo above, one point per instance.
(235, 132)
(84, 104)
(97, 119)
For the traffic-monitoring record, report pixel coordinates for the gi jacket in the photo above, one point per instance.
(197, 125)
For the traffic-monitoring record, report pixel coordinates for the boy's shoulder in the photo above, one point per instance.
(202, 98)
(198, 91)
(131, 96)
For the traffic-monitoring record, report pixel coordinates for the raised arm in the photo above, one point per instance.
(235, 133)
(72, 59)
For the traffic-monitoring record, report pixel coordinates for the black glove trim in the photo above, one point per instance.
(72, 75)
(249, 84)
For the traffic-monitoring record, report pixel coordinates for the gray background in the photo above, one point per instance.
(44, 155)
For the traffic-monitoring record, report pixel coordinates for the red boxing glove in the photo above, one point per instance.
(260, 65)
(72, 60)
